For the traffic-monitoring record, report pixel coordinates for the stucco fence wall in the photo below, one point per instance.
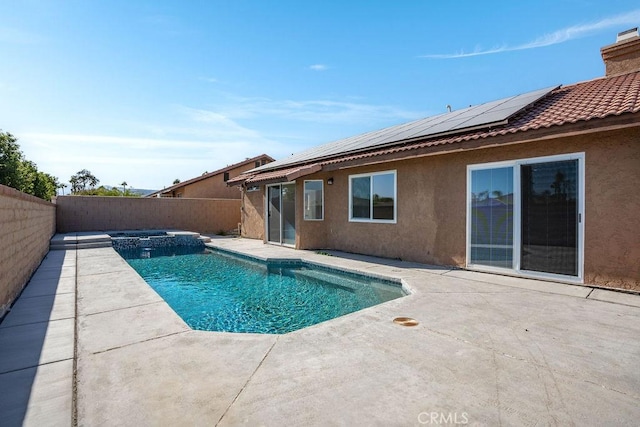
(26, 226)
(91, 213)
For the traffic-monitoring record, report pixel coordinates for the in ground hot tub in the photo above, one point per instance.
(151, 239)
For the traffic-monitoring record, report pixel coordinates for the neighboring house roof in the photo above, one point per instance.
(581, 102)
(210, 174)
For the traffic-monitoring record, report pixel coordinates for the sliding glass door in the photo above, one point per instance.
(492, 217)
(288, 214)
(281, 214)
(274, 217)
(526, 216)
(549, 212)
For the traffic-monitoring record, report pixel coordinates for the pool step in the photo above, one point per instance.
(327, 279)
(383, 291)
(91, 240)
(195, 235)
(75, 241)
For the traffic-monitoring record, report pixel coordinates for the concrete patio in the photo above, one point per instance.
(90, 343)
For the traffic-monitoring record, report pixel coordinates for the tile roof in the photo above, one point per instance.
(280, 175)
(210, 174)
(595, 99)
(585, 101)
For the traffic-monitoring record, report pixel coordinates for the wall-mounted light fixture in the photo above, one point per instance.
(330, 181)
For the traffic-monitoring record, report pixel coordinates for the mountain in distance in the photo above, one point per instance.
(141, 191)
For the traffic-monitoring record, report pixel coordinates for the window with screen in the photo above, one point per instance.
(372, 197)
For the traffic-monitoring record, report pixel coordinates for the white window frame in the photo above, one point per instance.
(395, 198)
(517, 218)
(304, 204)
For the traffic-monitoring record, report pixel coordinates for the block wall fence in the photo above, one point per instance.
(28, 223)
(26, 226)
(92, 213)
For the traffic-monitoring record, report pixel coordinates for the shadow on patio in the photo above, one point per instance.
(37, 344)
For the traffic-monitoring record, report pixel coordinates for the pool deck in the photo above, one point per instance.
(90, 343)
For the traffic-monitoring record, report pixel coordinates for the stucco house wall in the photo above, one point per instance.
(213, 185)
(252, 214)
(431, 219)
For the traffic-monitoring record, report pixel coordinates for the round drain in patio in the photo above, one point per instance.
(405, 321)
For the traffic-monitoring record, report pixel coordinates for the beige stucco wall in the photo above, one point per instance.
(622, 57)
(91, 213)
(424, 231)
(612, 212)
(252, 212)
(214, 187)
(26, 226)
(431, 223)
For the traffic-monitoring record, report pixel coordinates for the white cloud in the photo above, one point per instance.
(318, 67)
(157, 19)
(151, 155)
(217, 124)
(143, 162)
(209, 79)
(88, 141)
(557, 37)
(166, 24)
(4, 87)
(187, 141)
(325, 111)
(16, 36)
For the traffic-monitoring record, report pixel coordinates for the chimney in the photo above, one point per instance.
(623, 56)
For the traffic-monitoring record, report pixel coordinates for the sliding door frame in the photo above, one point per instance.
(282, 215)
(517, 217)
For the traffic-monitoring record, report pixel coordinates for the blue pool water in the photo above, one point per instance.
(215, 291)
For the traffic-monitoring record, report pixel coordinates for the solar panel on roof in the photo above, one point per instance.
(476, 117)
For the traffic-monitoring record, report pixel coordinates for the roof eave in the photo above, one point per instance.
(287, 175)
(611, 123)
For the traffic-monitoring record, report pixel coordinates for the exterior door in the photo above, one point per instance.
(288, 198)
(526, 216)
(549, 209)
(274, 217)
(281, 214)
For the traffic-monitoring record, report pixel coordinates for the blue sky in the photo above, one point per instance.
(150, 91)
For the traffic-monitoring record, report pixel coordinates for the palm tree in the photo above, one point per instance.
(124, 187)
(75, 184)
(80, 180)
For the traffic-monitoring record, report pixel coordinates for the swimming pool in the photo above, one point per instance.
(217, 291)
